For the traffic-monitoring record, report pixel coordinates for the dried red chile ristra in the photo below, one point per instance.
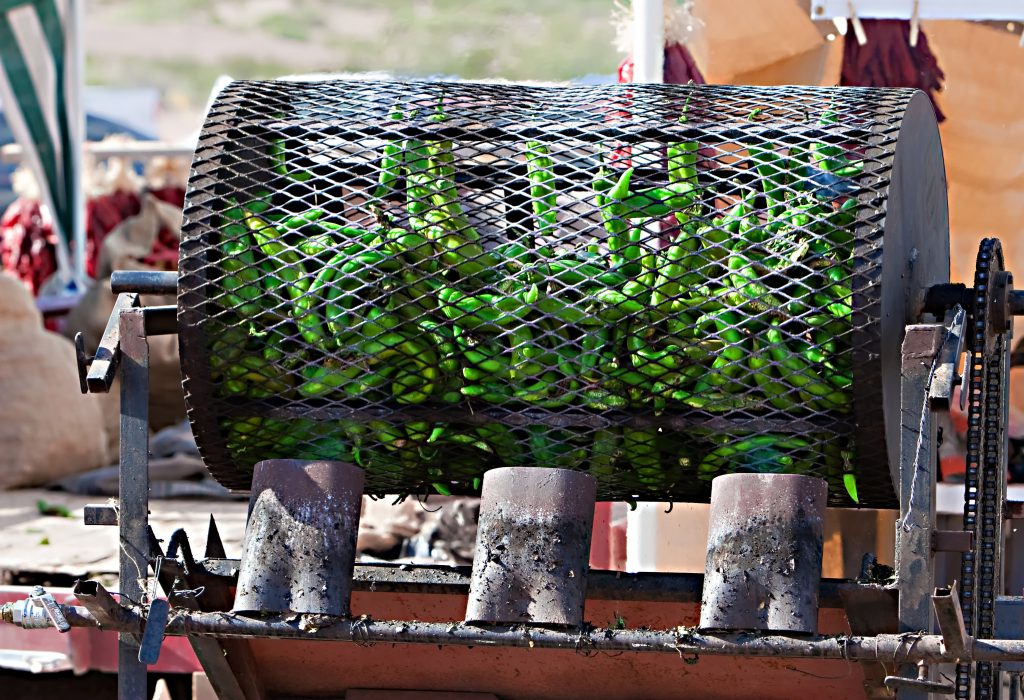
(679, 67)
(888, 60)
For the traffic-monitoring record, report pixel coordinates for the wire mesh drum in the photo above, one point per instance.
(655, 284)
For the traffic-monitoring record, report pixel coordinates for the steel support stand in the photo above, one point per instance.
(133, 496)
(915, 571)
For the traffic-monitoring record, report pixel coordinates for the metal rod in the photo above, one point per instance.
(898, 648)
(133, 491)
(136, 150)
(1016, 303)
(601, 585)
(950, 617)
(517, 417)
(143, 282)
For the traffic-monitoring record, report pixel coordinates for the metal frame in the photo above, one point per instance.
(930, 354)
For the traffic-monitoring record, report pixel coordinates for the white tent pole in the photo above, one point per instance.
(642, 524)
(648, 41)
(75, 61)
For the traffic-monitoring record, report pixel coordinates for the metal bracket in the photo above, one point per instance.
(920, 684)
(945, 377)
(950, 617)
(104, 364)
(94, 514)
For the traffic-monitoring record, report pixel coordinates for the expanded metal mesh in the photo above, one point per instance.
(656, 284)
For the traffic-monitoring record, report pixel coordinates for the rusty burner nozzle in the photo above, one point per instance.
(300, 540)
(763, 567)
(532, 547)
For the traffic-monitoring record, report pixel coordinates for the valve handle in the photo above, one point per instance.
(157, 615)
(40, 598)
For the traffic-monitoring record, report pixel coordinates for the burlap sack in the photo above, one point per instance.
(124, 249)
(48, 428)
(133, 239)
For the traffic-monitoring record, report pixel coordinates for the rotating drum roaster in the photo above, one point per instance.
(652, 284)
(535, 167)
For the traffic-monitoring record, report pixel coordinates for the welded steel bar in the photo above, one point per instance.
(102, 607)
(133, 490)
(518, 417)
(143, 282)
(228, 663)
(108, 353)
(951, 620)
(898, 648)
(648, 586)
(915, 570)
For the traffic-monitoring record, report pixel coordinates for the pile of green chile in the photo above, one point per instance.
(747, 309)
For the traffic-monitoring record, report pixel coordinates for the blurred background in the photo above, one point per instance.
(179, 48)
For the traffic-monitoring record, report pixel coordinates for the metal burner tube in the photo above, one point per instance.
(901, 648)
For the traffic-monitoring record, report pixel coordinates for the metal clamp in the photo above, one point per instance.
(920, 683)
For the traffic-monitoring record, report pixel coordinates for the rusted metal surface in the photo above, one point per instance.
(102, 610)
(532, 547)
(871, 601)
(921, 685)
(891, 648)
(946, 377)
(951, 621)
(870, 609)
(763, 566)
(915, 558)
(214, 544)
(108, 353)
(94, 514)
(143, 282)
(300, 541)
(133, 484)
